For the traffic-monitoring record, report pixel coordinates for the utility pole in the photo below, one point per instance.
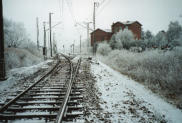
(71, 49)
(54, 44)
(73, 46)
(2, 61)
(88, 23)
(80, 43)
(88, 28)
(63, 49)
(94, 48)
(37, 20)
(50, 32)
(44, 48)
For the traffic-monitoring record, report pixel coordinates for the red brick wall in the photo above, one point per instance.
(117, 26)
(136, 29)
(100, 36)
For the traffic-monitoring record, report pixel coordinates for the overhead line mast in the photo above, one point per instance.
(50, 32)
(2, 61)
(37, 21)
(94, 45)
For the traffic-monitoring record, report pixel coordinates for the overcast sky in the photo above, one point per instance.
(154, 15)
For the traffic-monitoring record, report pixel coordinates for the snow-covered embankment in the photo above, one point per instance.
(129, 101)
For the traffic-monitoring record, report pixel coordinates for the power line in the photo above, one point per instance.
(107, 2)
(72, 15)
(60, 8)
(54, 26)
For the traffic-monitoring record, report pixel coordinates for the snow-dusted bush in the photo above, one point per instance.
(125, 37)
(19, 50)
(115, 44)
(161, 40)
(16, 58)
(31, 47)
(174, 31)
(122, 39)
(159, 70)
(148, 35)
(103, 48)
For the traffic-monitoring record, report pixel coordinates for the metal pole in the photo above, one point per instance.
(80, 44)
(44, 49)
(50, 32)
(87, 36)
(37, 20)
(74, 47)
(71, 49)
(54, 43)
(2, 61)
(63, 49)
(94, 50)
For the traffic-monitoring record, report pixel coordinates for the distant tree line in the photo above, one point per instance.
(124, 39)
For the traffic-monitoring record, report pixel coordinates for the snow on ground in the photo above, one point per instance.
(128, 101)
(15, 75)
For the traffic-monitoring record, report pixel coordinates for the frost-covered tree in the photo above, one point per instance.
(14, 33)
(103, 48)
(124, 38)
(174, 31)
(114, 44)
(161, 39)
(149, 40)
(148, 35)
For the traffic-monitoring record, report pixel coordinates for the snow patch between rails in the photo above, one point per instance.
(128, 101)
(75, 60)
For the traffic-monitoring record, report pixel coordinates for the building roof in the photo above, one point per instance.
(128, 22)
(104, 30)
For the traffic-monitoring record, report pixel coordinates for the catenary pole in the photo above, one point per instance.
(94, 48)
(80, 44)
(88, 23)
(44, 49)
(37, 21)
(2, 60)
(74, 47)
(50, 32)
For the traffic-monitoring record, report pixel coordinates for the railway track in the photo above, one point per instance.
(55, 97)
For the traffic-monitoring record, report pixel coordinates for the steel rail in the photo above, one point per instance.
(4, 107)
(69, 87)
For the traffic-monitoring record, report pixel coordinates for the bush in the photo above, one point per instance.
(16, 58)
(122, 39)
(160, 70)
(103, 48)
(174, 31)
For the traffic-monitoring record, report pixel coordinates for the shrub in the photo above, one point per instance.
(159, 70)
(103, 48)
(122, 39)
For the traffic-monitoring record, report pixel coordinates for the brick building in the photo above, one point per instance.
(102, 35)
